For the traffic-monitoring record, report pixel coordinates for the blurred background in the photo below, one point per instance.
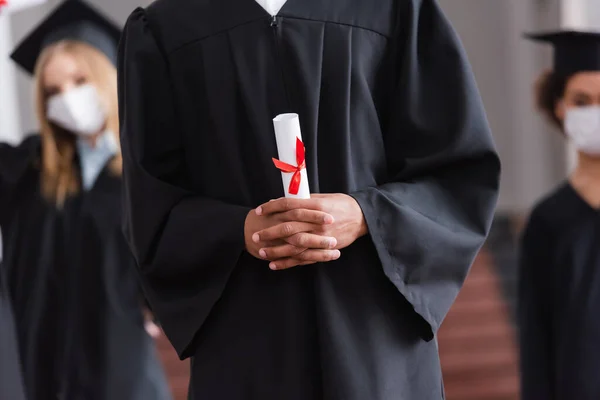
(477, 341)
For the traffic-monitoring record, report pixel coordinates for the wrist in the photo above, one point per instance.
(361, 222)
(247, 232)
(363, 229)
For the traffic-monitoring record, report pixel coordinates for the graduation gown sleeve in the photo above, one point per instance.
(14, 162)
(534, 310)
(432, 216)
(185, 243)
(11, 384)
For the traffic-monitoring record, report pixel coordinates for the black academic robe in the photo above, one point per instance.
(11, 382)
(390, 114)
(559, 299)
(74, 289)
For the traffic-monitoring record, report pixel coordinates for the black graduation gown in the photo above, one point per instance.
(11, 383)
(390, 115)
(559, 299)
(74, 289)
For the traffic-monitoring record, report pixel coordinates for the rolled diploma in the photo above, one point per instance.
(18, 5)
(287, 129)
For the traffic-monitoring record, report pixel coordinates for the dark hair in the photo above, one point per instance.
(549, 89)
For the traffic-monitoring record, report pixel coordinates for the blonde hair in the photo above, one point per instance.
(59, 176)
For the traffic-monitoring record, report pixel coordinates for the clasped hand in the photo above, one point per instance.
(293, 232)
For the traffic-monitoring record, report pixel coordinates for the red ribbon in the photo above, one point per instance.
(295, 169)
(3, 3)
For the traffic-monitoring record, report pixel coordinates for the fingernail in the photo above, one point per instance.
(328, 219)
(256, 238)
(259, 210)
(336, 254)
(332, 243)
(273, 266)
(262, 253)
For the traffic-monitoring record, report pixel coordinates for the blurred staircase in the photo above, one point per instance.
(477, 341)
(178, 372)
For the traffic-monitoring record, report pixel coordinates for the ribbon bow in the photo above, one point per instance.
(295, 169)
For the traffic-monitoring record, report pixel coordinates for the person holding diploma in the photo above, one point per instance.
(559, 289)
(334, 297)
(75, 292)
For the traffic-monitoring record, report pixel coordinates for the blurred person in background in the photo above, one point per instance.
(559, 289)
(11, 383)
(71, 278)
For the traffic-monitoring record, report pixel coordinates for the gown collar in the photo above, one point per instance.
(271, 6)
(93, 159)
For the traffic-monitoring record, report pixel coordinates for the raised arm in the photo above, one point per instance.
(15, 161)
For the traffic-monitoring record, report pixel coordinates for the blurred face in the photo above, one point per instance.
(63, 73)
(579, 111)
(72, 102)
(582, 90)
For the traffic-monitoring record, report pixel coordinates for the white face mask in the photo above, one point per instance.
(78, 110)
(582, 126)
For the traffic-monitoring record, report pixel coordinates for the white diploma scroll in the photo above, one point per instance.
(291, 156)
(11, 6)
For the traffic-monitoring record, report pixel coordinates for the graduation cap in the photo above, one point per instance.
(574, 51)
(72, 20)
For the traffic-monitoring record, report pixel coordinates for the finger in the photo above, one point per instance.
(319, 255)
(305, 215)
(311, 241)
(284, 204)
(273, 243)
(281, 231)
(311, 256)
(152, 329)
(279, 252)
(289, 263)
